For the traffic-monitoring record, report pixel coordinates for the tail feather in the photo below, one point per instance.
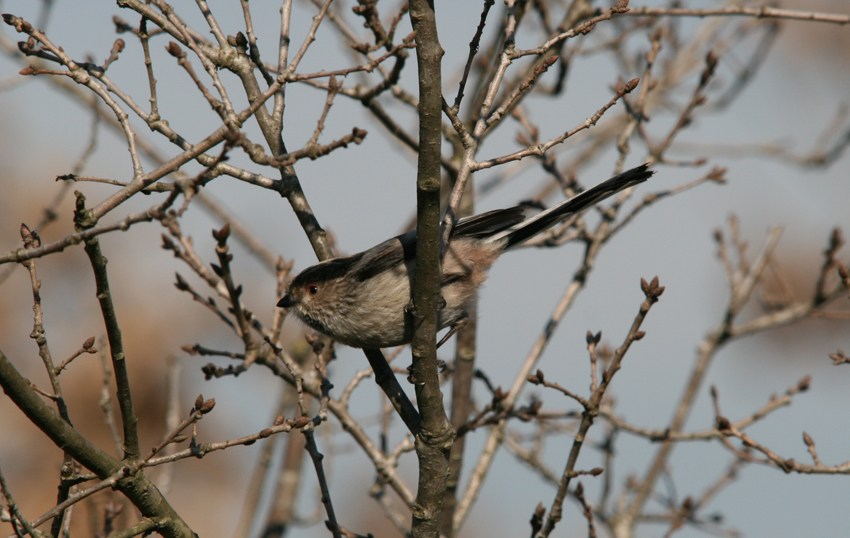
(532, 226)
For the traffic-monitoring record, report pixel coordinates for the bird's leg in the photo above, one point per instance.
(458, 325)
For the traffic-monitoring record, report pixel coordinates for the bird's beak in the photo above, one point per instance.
(286, 302)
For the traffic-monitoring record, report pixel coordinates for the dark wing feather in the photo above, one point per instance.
(488, 223)
(385, 256)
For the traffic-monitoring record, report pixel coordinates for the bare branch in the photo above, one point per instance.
(760, 12)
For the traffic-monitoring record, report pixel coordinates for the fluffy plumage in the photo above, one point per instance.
(363, 300)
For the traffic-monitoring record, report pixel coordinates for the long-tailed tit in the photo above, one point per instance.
(365, 300)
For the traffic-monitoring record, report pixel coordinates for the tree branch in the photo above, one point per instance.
(434, 440)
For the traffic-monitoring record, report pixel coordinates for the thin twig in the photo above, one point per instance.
(652, 291)
(130, 444)
(323, 483)
(473, 50)
(754, 11)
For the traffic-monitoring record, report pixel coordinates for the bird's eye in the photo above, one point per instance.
(313, 289)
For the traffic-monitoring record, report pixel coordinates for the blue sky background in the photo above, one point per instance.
(365, 193)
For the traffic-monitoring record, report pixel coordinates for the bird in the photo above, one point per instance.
(365, 300)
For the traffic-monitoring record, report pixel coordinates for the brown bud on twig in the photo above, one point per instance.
(839, 358)
(199, 401)
(718, 175)
(804, 383)
(710, 65)
(181, 284)
(20, 24)
(300, 422)
(357, 135)
(280, 420)
(174, 49)
(596, 471)
(210, 370)
(167, 243)
(222, 235)
(638, 335)
(808, 440)
(593, 338)
(29, 237)
(540, 377)
(26, 235)
(652, 290)
(208, 406)
(179, 438)
(537, 519)
(87, 345)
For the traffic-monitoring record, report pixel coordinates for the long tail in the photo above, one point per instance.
(532, 226)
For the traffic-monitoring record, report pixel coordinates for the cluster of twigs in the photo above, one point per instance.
(493, 88)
